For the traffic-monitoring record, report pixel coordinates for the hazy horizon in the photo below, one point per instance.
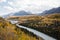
(34, 6)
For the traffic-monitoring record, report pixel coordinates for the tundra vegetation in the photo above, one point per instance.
(9, 31)
(48, 24)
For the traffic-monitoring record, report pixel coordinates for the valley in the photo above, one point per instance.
(29, 19)
(48, 24)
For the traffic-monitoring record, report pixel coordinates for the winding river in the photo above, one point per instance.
(37, 33)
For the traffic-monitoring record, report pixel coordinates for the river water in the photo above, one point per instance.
(37, 33)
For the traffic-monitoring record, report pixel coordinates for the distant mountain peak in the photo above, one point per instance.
(51, 11)
(20, 13)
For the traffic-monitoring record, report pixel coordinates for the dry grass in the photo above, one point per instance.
(11, 32)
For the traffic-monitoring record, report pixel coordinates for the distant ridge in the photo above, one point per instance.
(20, 13)
(51, 11)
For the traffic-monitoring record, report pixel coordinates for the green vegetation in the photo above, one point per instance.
(12, 32)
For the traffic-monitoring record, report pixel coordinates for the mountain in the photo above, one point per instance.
(51, 11)
(20, 13)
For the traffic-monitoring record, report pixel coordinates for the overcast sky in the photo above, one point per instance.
(34, 6)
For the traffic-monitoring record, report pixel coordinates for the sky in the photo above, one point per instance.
(34, 6)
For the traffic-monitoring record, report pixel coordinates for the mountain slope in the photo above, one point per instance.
(20, 13)
(51, 11)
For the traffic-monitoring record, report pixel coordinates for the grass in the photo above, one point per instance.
(12, 32)
(48, 24)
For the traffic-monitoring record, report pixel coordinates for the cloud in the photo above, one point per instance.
(8, 8)
(2, 1)
(34, 6)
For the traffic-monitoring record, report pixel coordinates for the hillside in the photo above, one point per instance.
(51, 11)
(49, 24)
(12, 32)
